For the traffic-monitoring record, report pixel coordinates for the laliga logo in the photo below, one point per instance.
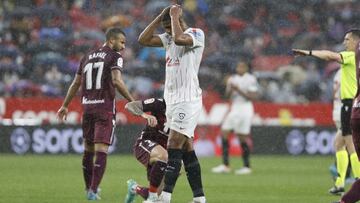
(20, 141)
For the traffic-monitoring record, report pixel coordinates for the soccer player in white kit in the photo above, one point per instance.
(184, 48)
(242, 88)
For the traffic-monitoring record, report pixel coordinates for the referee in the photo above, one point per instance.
(344, 145)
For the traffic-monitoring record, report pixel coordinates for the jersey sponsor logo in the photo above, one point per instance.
(172, 62)
(92, 101)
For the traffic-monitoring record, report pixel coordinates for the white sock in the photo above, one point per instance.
(152, 195)
(166, 196)
(200, 199)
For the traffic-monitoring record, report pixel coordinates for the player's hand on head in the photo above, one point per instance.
(165, 10)
(175, 10)
(62, 113)
(299, 52)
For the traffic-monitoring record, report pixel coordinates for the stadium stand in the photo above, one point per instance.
(42, 41)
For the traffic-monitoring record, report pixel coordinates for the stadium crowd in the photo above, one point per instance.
(42, 42)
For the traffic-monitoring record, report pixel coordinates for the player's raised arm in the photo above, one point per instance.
(180, 38)
(147, 37)
(321, 54)
(74, 87)
(120, 85)
(136, 108)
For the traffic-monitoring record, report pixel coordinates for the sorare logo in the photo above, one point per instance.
(54, 140)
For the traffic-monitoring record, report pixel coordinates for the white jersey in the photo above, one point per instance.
(182, 67)
(246, 83)
(242, 111)
(337, 101)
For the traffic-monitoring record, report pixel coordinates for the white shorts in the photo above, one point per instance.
(183, 117)
(239, 119)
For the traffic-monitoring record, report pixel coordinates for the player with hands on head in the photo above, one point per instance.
(184, 48)
(98, 75)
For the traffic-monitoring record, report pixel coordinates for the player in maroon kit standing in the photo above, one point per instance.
(353, 195)
(99, 74)
(150, 147)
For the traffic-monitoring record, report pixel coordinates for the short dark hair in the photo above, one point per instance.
(166, 17)
(113, 32)
(354, 31)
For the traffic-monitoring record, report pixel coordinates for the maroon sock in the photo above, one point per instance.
(98, 171)
(353, 195)
(157, 173)
(87, 164)
(142, 191)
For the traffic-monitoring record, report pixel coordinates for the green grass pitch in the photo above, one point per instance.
(275, 179)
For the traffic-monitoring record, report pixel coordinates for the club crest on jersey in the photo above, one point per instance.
(181, 116)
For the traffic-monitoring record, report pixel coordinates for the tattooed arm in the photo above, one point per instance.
(136, 108)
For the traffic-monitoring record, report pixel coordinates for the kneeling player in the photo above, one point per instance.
(150, 148)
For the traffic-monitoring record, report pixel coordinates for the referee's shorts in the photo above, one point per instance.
(346, 116)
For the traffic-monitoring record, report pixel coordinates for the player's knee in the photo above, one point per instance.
(100, 147)
(163, 157)
(339, 146)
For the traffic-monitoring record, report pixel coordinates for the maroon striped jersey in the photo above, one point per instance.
(356, 104)
(97, 89)
(159, 133)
